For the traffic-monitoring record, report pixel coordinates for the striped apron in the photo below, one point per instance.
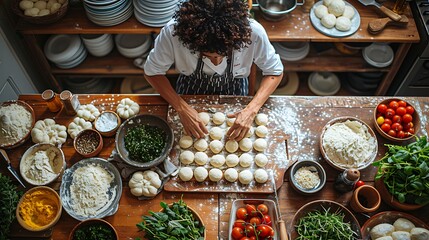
(200, 83)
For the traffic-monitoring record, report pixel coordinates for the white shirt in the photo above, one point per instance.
(168, 50)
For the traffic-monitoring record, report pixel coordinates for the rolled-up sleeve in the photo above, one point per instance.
(161, 57)
(265, 56)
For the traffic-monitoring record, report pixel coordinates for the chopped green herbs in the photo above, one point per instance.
(96, 231)
(324, 225)
(145, 143)
(175, 222)
(9, 198)
(405, 171)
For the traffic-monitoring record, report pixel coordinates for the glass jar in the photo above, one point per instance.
(52, 101)
(70, 101)
(346, 180)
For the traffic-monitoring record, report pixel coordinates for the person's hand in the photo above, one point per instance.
(192, 123)
(243, 122)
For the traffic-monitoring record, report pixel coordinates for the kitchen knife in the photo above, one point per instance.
(9, 167)
(281, 222)
(382, 8)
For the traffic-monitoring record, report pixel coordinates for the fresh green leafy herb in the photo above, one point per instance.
(97, 231)
(9, 198)
(324, 225)
(405, 171)
(145, 143)
(175, 222)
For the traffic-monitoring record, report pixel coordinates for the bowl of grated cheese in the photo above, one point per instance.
(307, 176)
(348, 142)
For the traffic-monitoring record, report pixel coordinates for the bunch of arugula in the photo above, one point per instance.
(175, 222)
(9, 197)
(405, 171)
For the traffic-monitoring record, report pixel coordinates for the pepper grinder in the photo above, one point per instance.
(346, 180)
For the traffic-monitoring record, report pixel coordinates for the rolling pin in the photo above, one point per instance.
(376, 26)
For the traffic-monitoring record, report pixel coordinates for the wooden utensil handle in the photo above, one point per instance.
(378, 24)
(390, 13)
(5, 156)
(283, 232)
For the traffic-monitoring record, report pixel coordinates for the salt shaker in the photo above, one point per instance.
(346, 180)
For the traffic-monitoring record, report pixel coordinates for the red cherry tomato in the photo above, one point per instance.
(244, 238)
(401, 134)
(408, 125)
(410, 110)
(392, 133)
(397, 119)
(263, 230)
(241, 213)
(390, 113)
(240, 223)
(382, 108)
(267, 220)
(402, 103)
(253, 238)
(255, 221)
(237, 233)
(251, 210)
(262, 208)
(411, 131)
(388, 121)
(401, 111)
(250, 230)
(359, 183)
(394, 104)
(407, 118)
(385, 127)
(396, 126)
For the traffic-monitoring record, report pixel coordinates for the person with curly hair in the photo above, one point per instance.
(213, 44)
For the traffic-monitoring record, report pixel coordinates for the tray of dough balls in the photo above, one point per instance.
(216, 164)
(335, 18)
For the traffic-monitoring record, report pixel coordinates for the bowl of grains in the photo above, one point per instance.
(307, 176)
(107, 123)
(17, 118)
(88, 143)
(348, 142)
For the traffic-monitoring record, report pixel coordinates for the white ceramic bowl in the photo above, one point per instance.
(378, 55)
(324, 83)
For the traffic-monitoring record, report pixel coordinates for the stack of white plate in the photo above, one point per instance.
(65, 51)
(93, 85)
(292, 51)
(98, 45)
(324, 83)
(133, 45)
(108, 12)
(155, 13)
(378, 55)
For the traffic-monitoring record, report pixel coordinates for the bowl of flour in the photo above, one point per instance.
(16, 121)
(348, 142)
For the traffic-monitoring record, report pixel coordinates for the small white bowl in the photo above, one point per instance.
(378, 55)
(324, 84)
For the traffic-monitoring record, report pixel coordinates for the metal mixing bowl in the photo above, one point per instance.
(273, 10)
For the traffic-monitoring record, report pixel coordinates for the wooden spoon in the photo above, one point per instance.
(376, 26)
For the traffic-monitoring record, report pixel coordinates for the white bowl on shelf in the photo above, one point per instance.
(133, 45)
(98, 45)
(324, 83)
(62, 47)
(378, 55)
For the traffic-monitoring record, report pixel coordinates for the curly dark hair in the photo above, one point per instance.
(217, 26)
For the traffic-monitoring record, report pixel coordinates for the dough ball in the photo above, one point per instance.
(186, 157)
(245, 176)
(186, 174)
(329, 20)
(25, 4)
(400, 235)
(230, 121)
(419, 233)
(201, 158)
(337, 7)
(260, 145)
(216, 133)
(215, 175)
(349, 12)
(261, 131)
(50, 3)
(327, 2)
(200, 174)
(250, 132)
(245, 144)
(217, 160)
(232, 160)
(44, 12)
(261, 160)
(381, 230)
(261, 176)
(261, 119)
(205, 117)
(216, 146)
(40, 5)
(31, 12)
(55, 7)
(231, 146)
(343, 24)
(218, 118)
(246, 160)
(231, 175)
(321, 11)
(186, 142)
(62, 1)
(403, 224)
(201, 145)
(385, 238)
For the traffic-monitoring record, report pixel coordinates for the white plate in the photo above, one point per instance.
(291, 55)
(61, 47)
(378, 55)
(324, 86)
(333, 32)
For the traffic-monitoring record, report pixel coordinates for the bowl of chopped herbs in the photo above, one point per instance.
(93, 229)
(144, 140)
(324, 219)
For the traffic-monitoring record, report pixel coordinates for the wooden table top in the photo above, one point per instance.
(302, 119)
